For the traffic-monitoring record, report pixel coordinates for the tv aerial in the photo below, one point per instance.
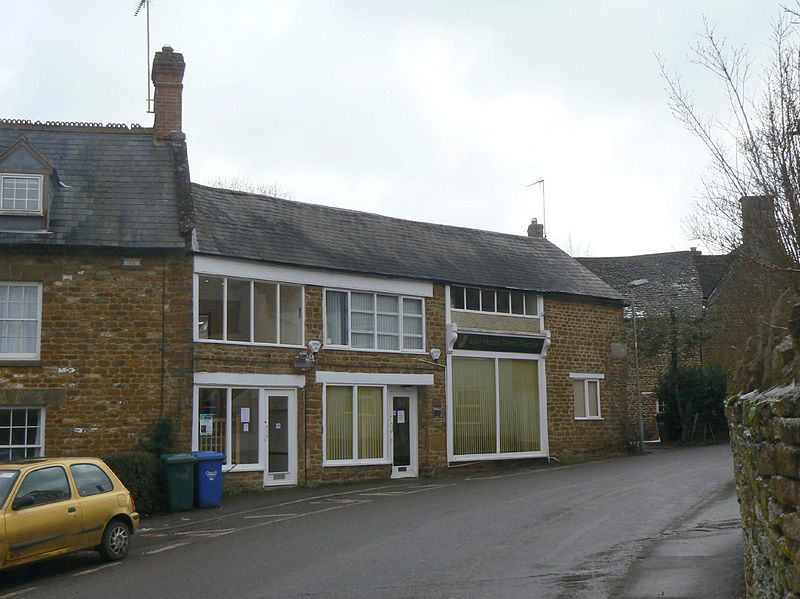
(145, 4)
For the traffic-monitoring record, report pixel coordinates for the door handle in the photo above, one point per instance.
(72, 509)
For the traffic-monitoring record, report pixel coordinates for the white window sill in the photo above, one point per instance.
(338, 463)
(420, 352)
(588, 418)
(249, 343)
(466, 311)
(478, 457)
(243, 468)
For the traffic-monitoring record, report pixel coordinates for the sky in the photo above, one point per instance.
(431, 110)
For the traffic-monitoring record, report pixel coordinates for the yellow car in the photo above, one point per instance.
(52, 506)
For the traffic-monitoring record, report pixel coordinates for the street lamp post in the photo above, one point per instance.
(633, 285)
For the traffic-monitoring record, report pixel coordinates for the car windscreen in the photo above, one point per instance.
(7, 479)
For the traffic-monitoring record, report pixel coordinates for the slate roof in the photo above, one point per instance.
(121, 187)
(712, 269)
(673, 279)
(241, 225)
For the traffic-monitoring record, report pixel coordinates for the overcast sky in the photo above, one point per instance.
(442, 111)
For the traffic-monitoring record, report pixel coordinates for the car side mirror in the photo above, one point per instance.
(22, 502)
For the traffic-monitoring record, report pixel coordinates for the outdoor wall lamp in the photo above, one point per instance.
(435, 353)
(314, 346)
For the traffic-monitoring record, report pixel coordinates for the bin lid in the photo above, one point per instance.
(204, 456)
(177, 458)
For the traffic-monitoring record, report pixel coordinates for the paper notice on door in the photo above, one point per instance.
(245, 427)
(401, 416)
(245, 417)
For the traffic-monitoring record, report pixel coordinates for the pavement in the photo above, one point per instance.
(700, 554)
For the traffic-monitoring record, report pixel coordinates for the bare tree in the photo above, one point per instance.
(754, 150)
(240, 183)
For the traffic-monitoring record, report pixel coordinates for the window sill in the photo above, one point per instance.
(485, 457)
(242, 468)
(589, 418)
(338, 463)
(19, 362)
(250, 343)
(418, 352)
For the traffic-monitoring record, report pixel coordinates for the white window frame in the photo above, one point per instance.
(39, 204)
(588, 378)
(480, 310)
(387, 431)
(542, 382)
(35, 355)
(40, 446)
(401, 316)
(225, 340)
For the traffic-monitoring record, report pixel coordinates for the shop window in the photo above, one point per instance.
(495, 406)
(355, 425)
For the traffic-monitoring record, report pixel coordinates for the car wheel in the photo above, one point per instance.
(116, 541)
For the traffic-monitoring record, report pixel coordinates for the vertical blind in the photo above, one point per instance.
(349, 438)
(339, 423)
(474, 406)
(495, 394)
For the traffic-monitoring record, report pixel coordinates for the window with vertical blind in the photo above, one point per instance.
(586, 395)
(356, 421)
(376, 321)
(495, 406)
(20, 320)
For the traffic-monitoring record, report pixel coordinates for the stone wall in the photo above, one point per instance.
(116, 348)
(765, 438)
(590, 338)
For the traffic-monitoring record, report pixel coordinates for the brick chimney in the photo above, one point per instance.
(535, 229)
(168, 67)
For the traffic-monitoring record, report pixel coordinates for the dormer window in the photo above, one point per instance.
(21, 193)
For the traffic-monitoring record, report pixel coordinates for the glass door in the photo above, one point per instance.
(279, 409)
(404, 433)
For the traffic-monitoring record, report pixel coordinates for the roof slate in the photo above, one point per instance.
(120, 188)
(673, 280)
(243, 225)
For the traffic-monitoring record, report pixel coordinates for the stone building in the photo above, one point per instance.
(308, 344)
(679, 282)
(336, 345)
(95, 284)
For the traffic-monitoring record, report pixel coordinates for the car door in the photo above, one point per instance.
(99, 503)
(43, 516)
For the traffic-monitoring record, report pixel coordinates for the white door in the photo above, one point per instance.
(279, 435)
(404, 432)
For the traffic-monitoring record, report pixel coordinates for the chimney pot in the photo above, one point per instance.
(167, 49)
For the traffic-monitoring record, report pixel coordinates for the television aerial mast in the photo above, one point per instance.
(139, 6)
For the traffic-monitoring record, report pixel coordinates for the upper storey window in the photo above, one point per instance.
(245, 311)
(373, 321)
(494, 301)
(21, 193)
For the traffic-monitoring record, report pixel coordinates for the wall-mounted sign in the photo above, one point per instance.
(499, 343)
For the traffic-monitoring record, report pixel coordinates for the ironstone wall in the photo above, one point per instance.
(765, 439)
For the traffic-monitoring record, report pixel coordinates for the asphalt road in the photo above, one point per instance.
(547, 531)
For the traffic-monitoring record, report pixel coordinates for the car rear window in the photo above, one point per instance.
(7, 479)
(90, 479)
